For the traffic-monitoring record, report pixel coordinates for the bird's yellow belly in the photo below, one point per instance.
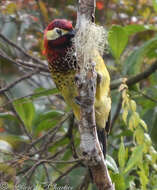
(67, 87)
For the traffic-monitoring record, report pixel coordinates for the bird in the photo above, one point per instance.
(60, 53)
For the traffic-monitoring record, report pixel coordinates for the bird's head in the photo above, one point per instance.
(58, 35)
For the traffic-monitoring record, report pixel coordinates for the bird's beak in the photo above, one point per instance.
(71, 33)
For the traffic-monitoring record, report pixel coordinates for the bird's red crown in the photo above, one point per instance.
(57, 23)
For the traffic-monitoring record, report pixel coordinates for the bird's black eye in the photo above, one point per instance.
(59, 31)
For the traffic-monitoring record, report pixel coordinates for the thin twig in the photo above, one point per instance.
(55, 168)
(51, 131)
(26, 96)
(71, 137)
(46, 173)
(58, 153)
(41, 15)
(57, 161)
(118, 108)
(20, 79)
(137, 78)
(22, 125)
(85, 182)
(147, 96)
(19, 62)
(39, 162)
(27, 64)
(21, 50)
(65, 173)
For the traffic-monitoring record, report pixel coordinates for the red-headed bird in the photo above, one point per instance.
(63, 67)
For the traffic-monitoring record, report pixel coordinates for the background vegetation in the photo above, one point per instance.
(39, 140)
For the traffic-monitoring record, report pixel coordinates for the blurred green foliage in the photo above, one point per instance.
(35, 105)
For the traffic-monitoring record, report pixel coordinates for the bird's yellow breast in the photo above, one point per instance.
(66, 85)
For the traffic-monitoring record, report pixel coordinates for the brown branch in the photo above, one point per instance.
(21, 50)
(31, 171)
(39, 162)
(86, 83)
(41, 15)
(137, 78)
(22, 126)
(50, 132)
(117, 112)
(47, 173)
(29, 65)
(85, 182)
(55, 168)
(70, 135)
(22, 97)
(65, 173)
(24, 64)
(20, 79)
(147, 96)
(59, 152)
(57, 161)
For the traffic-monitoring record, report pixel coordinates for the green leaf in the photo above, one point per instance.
(133, 105)
(139, 135)
(147, 139)
(58, 144)
(143, 123)
(131, 126)
(44, 92)
(119, 181)
(121, 155)
(5, 146)
(49, 115)
(111, 164)
(125, 114)
(135, 158)
(11, 8)
(38, 187)
(7, 169)
(153, 153)
(134, 28)
(8, 116)
(14, 140)
(134, 61)
(44, 126)
(26, 111)
(67, 155)
(143, 178)
(46, 120)
(135, 119)
(118, 39)
(154, 4)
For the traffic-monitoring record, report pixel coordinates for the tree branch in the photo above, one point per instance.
(11, 85)
(65, 173)
(21, 50)
(86, 82)
(137, 78)
(85, 182)
(50, 132)
(22, 125)
(117, 112)
(25, 64)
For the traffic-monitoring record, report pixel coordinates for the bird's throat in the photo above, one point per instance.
(61, 60)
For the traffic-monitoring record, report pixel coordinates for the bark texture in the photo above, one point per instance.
(86, 83)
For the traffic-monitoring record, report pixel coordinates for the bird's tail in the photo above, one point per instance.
(102, 139)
